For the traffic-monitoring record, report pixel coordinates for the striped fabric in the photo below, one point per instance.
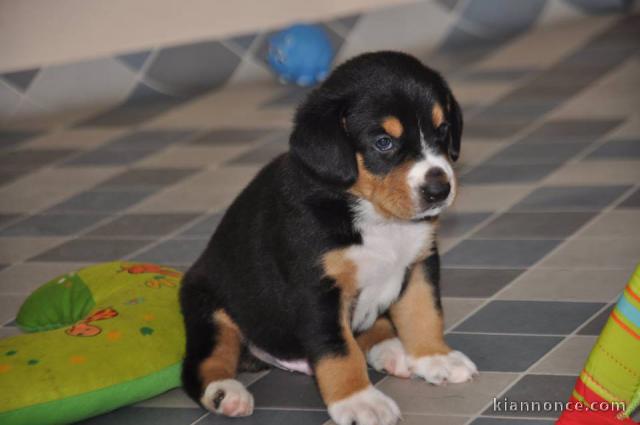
(612, 372)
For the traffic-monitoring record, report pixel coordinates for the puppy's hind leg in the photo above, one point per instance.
(214, 346)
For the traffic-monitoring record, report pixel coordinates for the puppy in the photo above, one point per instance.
(328, 259)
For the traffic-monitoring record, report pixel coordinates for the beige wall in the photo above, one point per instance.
(37, 32)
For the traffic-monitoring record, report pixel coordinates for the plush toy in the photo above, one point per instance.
(612, 373)
(300, 54)
(100, 338)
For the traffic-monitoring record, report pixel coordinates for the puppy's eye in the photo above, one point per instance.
(384, 143)
(443, 130)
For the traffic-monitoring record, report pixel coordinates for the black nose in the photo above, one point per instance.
(436, 186)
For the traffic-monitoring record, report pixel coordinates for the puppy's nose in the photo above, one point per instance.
(436, 186)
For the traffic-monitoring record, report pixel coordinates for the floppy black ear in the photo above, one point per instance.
(320, 140)
(455, 119)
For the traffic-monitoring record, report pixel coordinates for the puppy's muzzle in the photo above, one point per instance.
(436, 187)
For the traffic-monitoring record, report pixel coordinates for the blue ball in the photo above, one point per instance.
(300, 54)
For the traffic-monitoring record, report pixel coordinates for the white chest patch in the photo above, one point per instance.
(388, 248)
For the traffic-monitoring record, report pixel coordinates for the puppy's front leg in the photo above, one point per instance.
(345, 387)
(417, 316)
(339, 364)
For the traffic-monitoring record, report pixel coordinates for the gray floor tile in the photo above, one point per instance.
(147, 416)
(536, 153)
(534, 225)
(141, 178)
(475, 283)
(507, 174)
(571, 198)
(101, 201)
(631, 201)
(52, 225)
(8, 218)
(415, 396)
(12, 138)
(568, 284)
(143, 104)
(7, 175)
(289, 96)
(568, 358)
(174, 251)
(243, 41)
(109, 157)
(572, 130)
(21, 79)
(272, 417)
(510, 421)
(135, 60)
(499, 74)
(33, 158)
(537, 388)
(193, 68)
(231, 136)
(502, 353)
(595, 325)
(91, 250)
(281, 389)
(482, 129)
(595, 253)
(456, 309)
(498, 253)
(529, 317)
(454, 224)
(149, 139)
(142, 225)
(204, 228)
(261, 154)
(516, 106)
(622, 149)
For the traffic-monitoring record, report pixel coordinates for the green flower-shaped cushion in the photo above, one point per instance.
(100, 338)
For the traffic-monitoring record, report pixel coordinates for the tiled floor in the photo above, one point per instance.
(536, 249)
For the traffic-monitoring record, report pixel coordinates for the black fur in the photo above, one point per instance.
(262, 263)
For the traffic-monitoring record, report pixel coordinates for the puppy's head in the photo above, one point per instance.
(385, 128)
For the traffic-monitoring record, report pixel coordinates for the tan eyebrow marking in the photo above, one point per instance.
(437, 115)
(393, 126)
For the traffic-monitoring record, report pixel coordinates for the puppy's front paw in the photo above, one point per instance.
(389, 356)
(366, 407)
(228, 397)
(454, 367)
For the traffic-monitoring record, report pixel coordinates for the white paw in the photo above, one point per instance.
(454, 367)
(366, 407)
(389, 356)
(228, 397)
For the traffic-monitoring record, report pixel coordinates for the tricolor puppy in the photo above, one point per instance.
(328, 259)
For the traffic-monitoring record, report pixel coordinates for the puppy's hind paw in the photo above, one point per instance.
(228, 397)
(366, 407)
(389, 356)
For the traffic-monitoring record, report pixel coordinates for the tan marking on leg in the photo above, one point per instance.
(390, 194)
(393, 126)
(223, 361)
(381, 330)
(340, 376)
(416, 318)
(437, 115)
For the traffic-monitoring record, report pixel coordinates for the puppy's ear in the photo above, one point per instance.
(456, 122)
(321, 142)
